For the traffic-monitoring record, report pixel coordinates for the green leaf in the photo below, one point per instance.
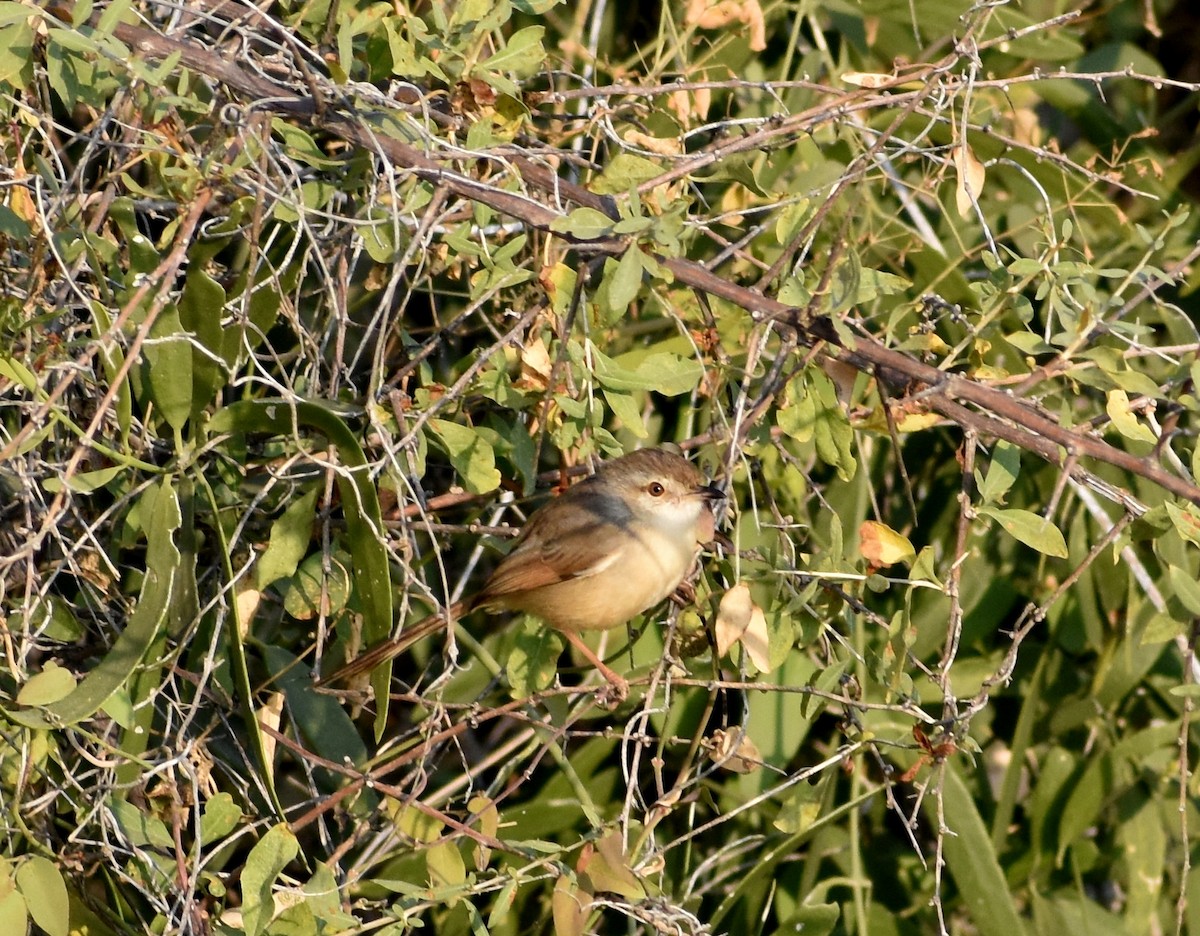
(797, 415)
(1002, 473)
(1124, 420)
(113, 14)
(624, 171)
(663, 372)
(379, 239)
(301, 146)
(1185, 587)
(1032, 530)
(360, 501)
(1029, 343)
(535, 7)
(1033, 41)
(523, 54)
(791, 220)
(832, 433)
(18, 373)
(14, 915)
(169, 369)
(267, 859)
(304, 591)
(290, 536)
(627, 411)
(16, 50)
(15, 12)
(141, 828)
(812, 919)
(446, 868)
(533, 662)
(221, 816)
(1143, 843)
(800, 809)
(972, 861)
(326, 726)
(160, 518)
(625, 281)
(872, 284)
(1107, 773)
(1186, 520)
(112, 360)
(45, 894)
(584, 224)
(1161, 628)
(50, 685)
(470, 454)
(85, 481)
(200, 309)
(608, 870)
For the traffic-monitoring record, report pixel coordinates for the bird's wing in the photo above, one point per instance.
(557, 549)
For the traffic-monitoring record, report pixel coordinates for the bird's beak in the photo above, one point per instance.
(710, 492)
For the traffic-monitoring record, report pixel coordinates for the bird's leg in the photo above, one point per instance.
(616, 683)
(684, 594)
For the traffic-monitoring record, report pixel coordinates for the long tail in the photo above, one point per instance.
(390, 649)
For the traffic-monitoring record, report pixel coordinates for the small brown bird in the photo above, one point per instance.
(605, 550)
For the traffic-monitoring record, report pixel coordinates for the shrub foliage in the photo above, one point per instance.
(306, 305)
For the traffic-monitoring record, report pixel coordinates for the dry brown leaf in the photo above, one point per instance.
(536, 366)
(681, 103)
(733, 617)
(734, 751)
(247, 601)
(709, 15)
(971, 176)
(270, 715)
(756, 640)
(867, 79)
(662, 146)
(844, 376)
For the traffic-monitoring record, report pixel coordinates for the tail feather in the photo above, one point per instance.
(390, 649)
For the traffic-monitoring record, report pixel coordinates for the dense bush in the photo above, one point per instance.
(305, 307)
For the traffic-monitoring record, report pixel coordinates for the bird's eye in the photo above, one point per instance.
(656, 489)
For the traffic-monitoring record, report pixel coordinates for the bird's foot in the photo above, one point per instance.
(613, 692)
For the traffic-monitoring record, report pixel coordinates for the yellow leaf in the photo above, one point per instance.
(569, 906)
(1124, 420)
(489, 823)
(882, 546)
(917, 422)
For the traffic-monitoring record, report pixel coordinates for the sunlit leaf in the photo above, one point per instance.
(1031, 529)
